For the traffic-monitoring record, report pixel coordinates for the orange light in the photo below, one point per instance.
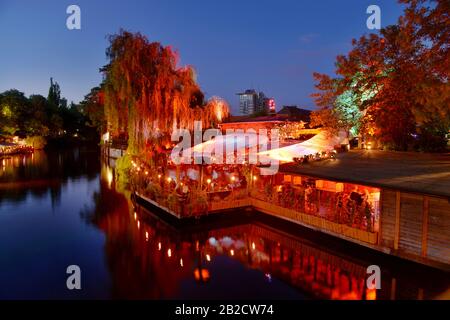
(159, 245)
(146, 172)
(146, 235)
(159, 176)
(253, 246)
(169, 179)
(135, 216)
(233, 178)
(208, 181)
(201, 275)
(138, 224)
(208, 257)
(232, 252)
(169, 253)
(371, 294)
(181, 262)
(254, 178)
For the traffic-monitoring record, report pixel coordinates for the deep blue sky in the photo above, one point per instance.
(273, 46)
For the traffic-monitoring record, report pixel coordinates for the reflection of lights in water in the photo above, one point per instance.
(232, 252)
(371, 294)
(109, 176)
(212, 241)
(159, 245)
(181, 262)
(208, 257)
(201, 275)
(169, 253)
(253, 246)
(268, 276)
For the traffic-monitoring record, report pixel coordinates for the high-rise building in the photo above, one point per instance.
(251, 102)
(248, 101)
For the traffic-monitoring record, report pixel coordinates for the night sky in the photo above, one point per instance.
(273, 46)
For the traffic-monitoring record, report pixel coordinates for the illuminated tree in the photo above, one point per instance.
(398, 78)
(147, 95)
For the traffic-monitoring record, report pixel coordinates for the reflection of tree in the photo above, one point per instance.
(42, 172)
(149, 259)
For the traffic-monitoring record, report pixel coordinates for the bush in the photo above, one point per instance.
(37, 142)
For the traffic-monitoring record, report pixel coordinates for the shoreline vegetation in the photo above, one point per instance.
(390, 91)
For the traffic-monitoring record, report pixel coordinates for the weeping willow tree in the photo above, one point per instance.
(147, 95)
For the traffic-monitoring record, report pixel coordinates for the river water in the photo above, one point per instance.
(61, 208)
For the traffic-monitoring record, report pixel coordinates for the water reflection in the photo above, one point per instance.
(41, 172)
(235, 258)
(62, 208)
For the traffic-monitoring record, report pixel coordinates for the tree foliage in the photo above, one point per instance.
(397, 79)
(147, 95)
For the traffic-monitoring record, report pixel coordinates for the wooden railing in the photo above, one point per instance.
(315, 222)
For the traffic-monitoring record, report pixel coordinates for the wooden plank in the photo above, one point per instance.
(397, 220)
(380, 214)
(410, 234)
(426, 209)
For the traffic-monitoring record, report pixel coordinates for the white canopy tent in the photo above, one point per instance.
(319, 143)
(225, 145)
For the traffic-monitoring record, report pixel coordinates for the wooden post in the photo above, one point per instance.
(393, 288)
(380, 214)
(397, 220)
(426, 209)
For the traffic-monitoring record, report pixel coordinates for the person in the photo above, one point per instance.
(356, 196)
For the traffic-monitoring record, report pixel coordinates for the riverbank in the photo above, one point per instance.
(12, 149)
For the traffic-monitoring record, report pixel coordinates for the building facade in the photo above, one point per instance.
(252, 102)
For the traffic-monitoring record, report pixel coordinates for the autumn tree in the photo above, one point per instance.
(147, 94)
(398, 78)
